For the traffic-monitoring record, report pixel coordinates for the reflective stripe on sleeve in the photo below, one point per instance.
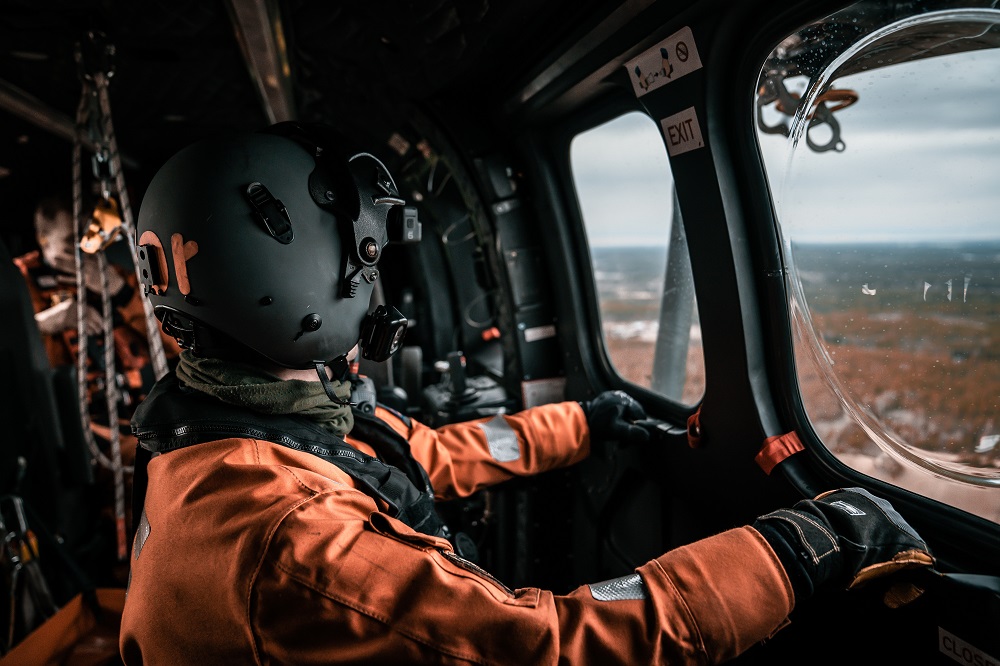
(501, 439)
(619, 589)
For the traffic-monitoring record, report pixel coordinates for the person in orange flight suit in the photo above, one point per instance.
(50, 274)
(281, 524)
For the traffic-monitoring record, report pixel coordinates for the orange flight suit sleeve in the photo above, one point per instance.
(56, 347)
(397, 596)
(462, 458)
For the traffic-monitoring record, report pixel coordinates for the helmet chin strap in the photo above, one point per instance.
(338, 363)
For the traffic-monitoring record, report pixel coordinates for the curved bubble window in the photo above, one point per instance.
(880, 136)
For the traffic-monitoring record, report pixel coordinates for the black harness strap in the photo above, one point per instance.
(391, 447)
(174, 417)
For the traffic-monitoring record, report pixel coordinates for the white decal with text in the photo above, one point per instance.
(682, 132)
(669, 60)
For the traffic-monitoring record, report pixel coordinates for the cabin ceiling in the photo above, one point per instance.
(181, 70)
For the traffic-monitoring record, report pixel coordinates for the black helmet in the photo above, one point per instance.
(269, 241)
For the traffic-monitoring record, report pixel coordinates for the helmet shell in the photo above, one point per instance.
(226, 271)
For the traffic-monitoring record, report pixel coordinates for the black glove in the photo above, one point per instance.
(847, 536)
(611, 414)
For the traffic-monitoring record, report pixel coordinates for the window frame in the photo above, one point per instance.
(962, 534)
(672, 373)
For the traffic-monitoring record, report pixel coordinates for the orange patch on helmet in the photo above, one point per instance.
(182, 252)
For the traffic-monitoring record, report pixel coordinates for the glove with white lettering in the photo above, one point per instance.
(611, 415)
(846, 536)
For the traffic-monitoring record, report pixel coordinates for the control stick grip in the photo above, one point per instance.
(456, 372)
(461, 392)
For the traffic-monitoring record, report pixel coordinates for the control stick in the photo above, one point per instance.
(461, 392)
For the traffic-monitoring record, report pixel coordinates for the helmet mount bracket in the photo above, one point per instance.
(360, 191)
(367, 235)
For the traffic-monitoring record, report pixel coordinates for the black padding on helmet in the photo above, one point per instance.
(330, 183)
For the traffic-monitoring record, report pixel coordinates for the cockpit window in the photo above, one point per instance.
(880, 134)
(640, 263)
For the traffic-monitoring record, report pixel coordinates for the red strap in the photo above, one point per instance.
(694, 429)
(776, 449)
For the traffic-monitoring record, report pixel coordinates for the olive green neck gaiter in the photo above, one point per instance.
(247, 386)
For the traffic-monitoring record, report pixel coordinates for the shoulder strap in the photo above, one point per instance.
(173, 417)
(390, 446)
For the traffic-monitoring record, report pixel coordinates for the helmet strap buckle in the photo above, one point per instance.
(340, 361)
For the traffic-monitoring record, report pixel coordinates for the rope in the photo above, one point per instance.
(81, 290)
(156, 352)
(111, 396)
(107, 142)
(111, 392)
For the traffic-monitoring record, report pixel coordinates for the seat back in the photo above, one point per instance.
(43, 457)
